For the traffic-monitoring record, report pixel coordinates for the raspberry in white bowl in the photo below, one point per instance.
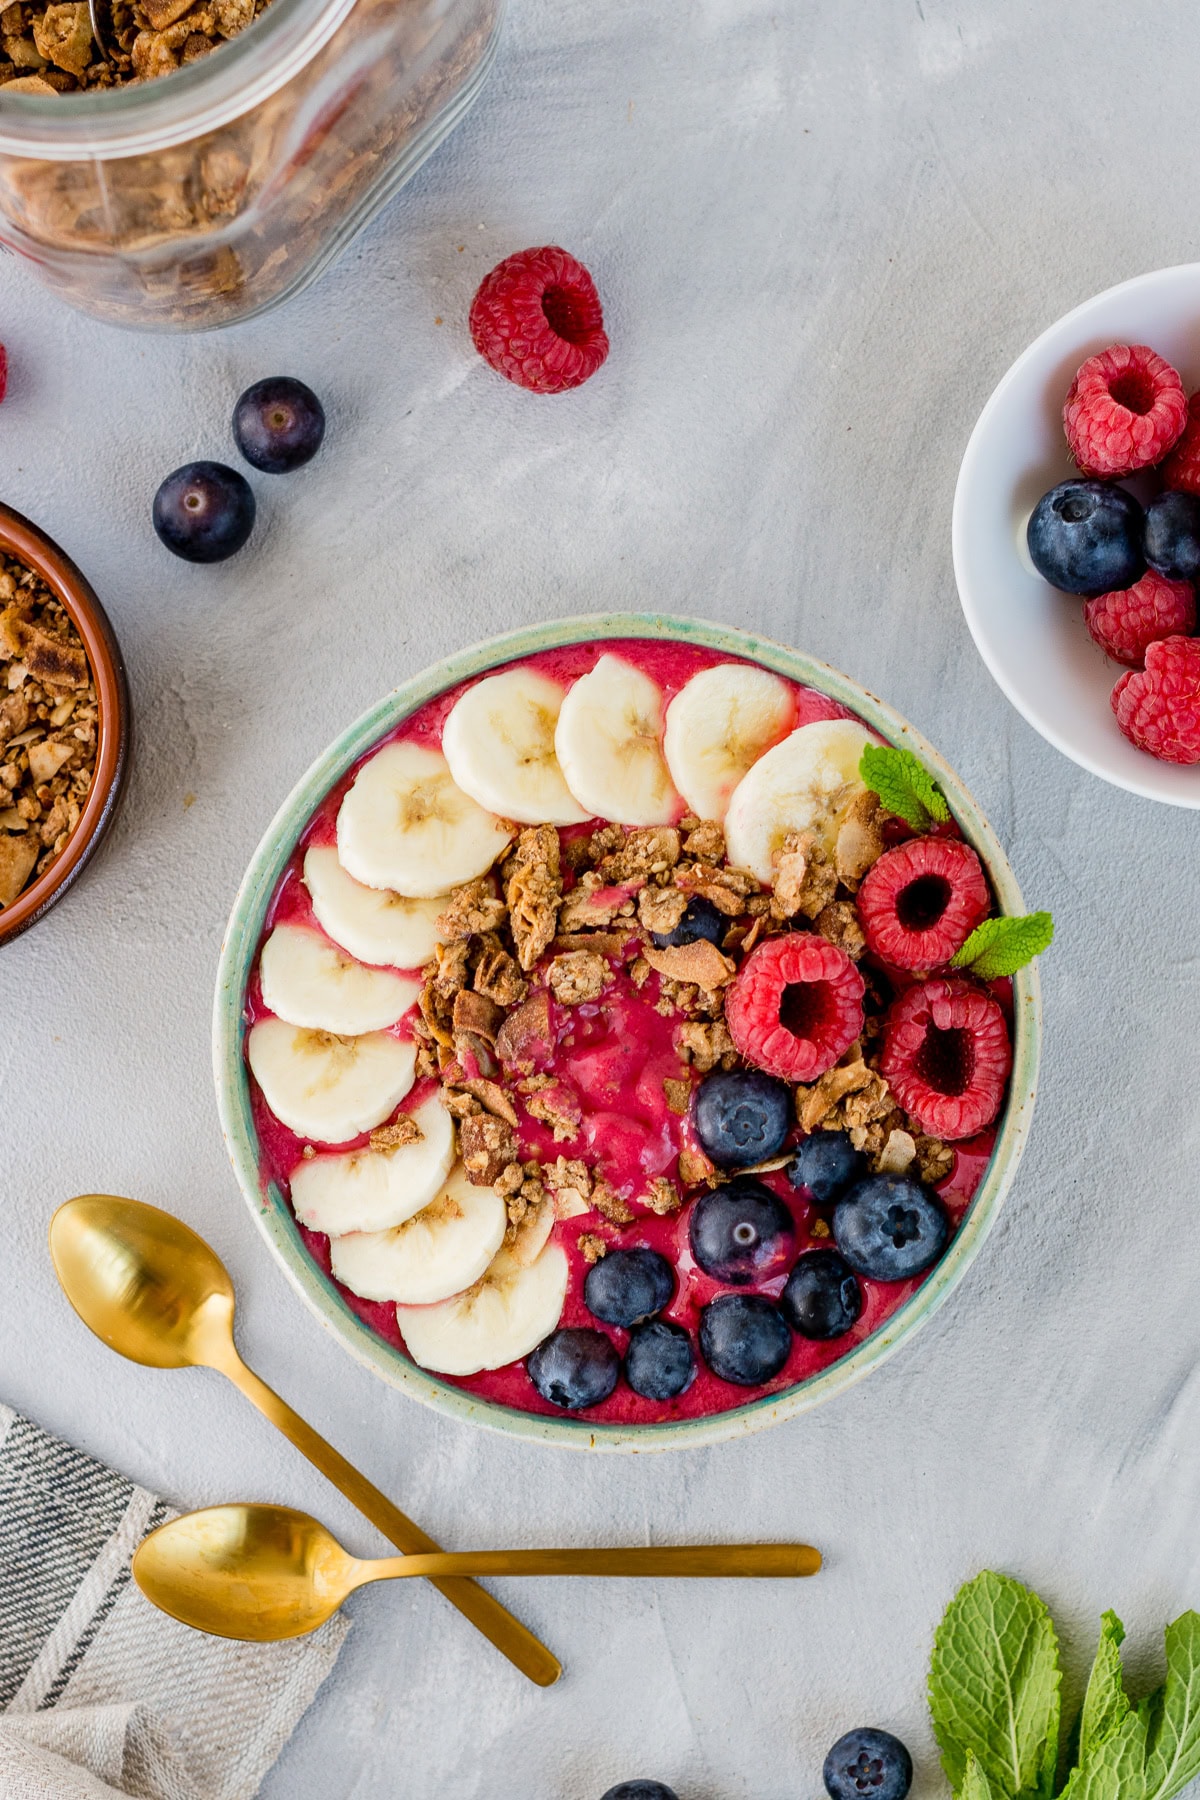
(629, 1032)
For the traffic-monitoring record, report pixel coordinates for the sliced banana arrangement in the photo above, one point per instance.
(609, 746)
(375, 1190)
(406, 824)
(499, 742)
(307, 980)
(502, 1318)
(325, 1087)
(806, 783)
(440, 1251)
(717, 726)
(375, 924)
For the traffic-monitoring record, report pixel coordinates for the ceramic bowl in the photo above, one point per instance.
(1033, 638)
(22, 539)
(270, 1209)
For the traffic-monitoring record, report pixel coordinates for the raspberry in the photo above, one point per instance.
(796, 1006)
(1124, 623)
(921, 902)
(537, 320)
(3, 371)
(946, 1057)
(1158, 707)
(1125, 409)
(1182, 468)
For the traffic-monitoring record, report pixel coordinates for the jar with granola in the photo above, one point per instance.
(183, 164)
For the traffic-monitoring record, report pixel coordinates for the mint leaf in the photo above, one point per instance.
(1114, 1768)
(1002, 946)
(994, 1687)
(975, 1784)
(1173, 1714)
(904, 785)
(1106, 1704)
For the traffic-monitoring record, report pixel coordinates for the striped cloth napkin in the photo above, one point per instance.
(100, 1694)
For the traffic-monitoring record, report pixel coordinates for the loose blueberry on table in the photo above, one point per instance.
(204, 512)
(1127, 414)
(630, 1032)
(867, 1764)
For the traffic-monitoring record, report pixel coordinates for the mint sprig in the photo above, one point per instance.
(1002, 946)
(994, 1696)
(904, 786)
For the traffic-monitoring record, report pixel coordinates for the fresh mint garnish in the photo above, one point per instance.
(994, 1688)
(1002, 946)
(994, 1696)
(904, 786)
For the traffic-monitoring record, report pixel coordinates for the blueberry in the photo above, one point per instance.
(742, 1232)
(575, 1367)
(627, 1286)
(278, 424)
(659, 1362)
(701, 919)
(821, 1299)
(826, 1164)
(742, 1116)
(744, 1339)
(1172, 536)
(1086, 537)
(889, 1227)
(868, 1763)
(204, 512)
(640, 1790)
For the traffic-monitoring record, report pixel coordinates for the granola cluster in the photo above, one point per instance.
(51, 49)
(48, 727)
(556, 923)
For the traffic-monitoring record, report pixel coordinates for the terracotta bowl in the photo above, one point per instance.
(22, 539)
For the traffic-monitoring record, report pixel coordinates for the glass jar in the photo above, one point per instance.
(210, 194)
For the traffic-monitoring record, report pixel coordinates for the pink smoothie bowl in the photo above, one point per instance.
(269, 1206)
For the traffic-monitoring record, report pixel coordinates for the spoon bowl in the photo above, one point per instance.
(143, 1281)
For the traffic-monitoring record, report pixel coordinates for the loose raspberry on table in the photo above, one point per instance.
(795, 1007)
(1127, 622)
(1158, 707)
(537, 319)
(1182, 468)
(946, 1057)
(921, 902)
(3, 371)
(1125, 409)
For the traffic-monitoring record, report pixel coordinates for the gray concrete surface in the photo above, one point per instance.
(821, 233)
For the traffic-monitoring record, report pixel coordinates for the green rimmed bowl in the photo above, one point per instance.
(271, 1210)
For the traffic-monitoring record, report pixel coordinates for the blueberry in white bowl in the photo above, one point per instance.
(575, 1367)
(890, 1227)
(628, 1286)
(1172, 536)
(744, 1339)
(660, 1363)
(1085, 537)
(822, 1299)
(742, 1232)
(742, 1116)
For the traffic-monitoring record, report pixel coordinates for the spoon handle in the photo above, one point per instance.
(707, 1560)
(497, 1624)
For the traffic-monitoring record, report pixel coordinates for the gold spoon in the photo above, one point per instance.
(155, 1292)
(267, 1572)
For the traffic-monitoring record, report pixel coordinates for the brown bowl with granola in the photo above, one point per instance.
(64, 723)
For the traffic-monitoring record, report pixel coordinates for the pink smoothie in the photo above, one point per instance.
(610, 1059)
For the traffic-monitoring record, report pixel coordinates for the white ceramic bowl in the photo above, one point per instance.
(1033, 638)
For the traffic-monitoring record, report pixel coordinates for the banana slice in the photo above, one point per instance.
(717, 726)
(499, 1320)
(440, 1251)
(608, 744)
(325, 1087)
(306, 980)
(499, 742)
(406, 824)
(373, 924)
(374, 1190)
(803, 784)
